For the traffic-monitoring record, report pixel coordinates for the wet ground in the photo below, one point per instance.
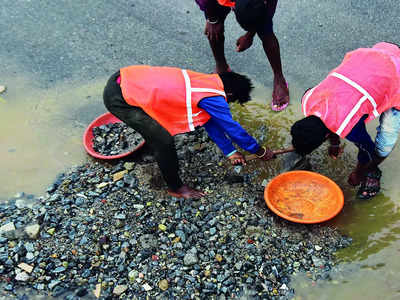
(56, 61)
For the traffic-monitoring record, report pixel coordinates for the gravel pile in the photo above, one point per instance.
(115, 138)
(110, 231)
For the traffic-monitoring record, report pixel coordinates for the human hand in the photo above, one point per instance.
(265, 154)
(214, 32)
(237, 158)
(244, 42)
(334, 151)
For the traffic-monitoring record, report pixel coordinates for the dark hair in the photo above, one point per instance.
(398, 45)
(250, 14)
(308, 134)
(237, 87)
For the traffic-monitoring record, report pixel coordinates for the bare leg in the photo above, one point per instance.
(280, 95)
(216, 38)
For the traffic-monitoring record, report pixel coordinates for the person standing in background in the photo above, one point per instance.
(254, 16)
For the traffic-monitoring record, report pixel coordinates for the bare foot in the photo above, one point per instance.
(244, 42)
(280, 95)
(186, 192)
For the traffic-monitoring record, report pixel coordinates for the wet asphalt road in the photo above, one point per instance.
(85, 40)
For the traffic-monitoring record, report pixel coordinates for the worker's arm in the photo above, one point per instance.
(361, 138)
(210, 9)
(217, 135)
(221, 126)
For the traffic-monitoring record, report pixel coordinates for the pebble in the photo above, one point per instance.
(119, 175)
(97, 291)
(32, 231)
(163, 284)
(129, 165)
(7, 227)
(190, 258)
(138, 206)
(27, 268)
(119, 289)
(2, 89)
(22, 277)
(147, 287)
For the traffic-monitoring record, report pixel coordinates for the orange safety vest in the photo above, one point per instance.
(170, 95)
(366, 82)
(226, 3)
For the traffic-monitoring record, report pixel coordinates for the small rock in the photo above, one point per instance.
(218, 257)
(138, 206)
(147, 287)
(7, 227)
(120, 216)
(318, 248)
(32, 231)
(51, 231)
(2, 89)
(97, 291)
(163, 285)
(25, 267)
(129, 165)
(162, 227)
(53, 283)
(22, 277)
(101, 185)
(132, 275)
(119, 175)
(238, 169)
(190, 258)
(284, 287)
(119, 289)
(317, 261)
(59, 270)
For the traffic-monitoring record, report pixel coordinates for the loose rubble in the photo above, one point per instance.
(97, 237)
(115, 138)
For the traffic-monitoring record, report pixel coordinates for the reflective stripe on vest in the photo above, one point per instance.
(189, 91)
(358, 105)
(306, 99)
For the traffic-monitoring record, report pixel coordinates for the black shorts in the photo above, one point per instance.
(265, 28)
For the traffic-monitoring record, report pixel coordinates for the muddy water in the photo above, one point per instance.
(40, 136)
(41, 132)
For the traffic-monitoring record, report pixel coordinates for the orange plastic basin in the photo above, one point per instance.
(88, 137)
(304, 197)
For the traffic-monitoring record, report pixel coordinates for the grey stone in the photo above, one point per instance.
(32, 231)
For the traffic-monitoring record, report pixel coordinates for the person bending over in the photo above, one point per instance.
(364, 86)
(161, 102)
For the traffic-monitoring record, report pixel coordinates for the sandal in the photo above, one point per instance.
(371, 185)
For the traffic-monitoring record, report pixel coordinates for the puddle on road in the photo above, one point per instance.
(41, 132)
